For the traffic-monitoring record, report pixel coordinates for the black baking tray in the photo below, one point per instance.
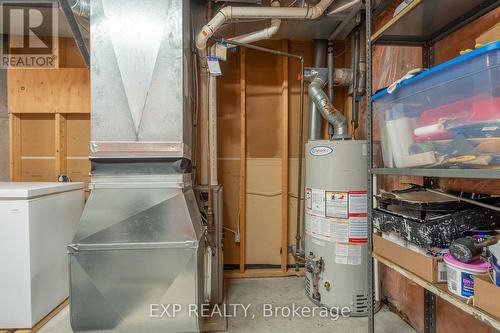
(444, 205)
(436, 230)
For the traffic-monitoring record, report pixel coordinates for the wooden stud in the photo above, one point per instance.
(243, 153)
(284, 163)
(15, 147)
(61, 144)
(261, 273)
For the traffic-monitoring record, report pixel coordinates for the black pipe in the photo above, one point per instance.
(355, 78)
(331, 67)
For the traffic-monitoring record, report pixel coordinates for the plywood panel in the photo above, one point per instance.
(38, 170)
(304, 49)
(264, 103)
(69, 55)
(78, 134)
(263, 229)
(264, 211)
(63, 90)
(37, 135)
(229, 176)
(37, 142)
(228, 107)
(79, 170)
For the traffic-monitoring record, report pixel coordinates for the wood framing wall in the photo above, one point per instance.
(258, 105)
(49, 119)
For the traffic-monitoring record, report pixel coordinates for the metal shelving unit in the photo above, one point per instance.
(421, 23)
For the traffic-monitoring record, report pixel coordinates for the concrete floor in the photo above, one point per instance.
(277, 292)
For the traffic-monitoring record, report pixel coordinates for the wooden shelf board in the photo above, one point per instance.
(441, 290)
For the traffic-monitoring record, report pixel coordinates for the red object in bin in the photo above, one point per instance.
(468, 111)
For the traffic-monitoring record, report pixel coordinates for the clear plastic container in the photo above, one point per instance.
(445, 117)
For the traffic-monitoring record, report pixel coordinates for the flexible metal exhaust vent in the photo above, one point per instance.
(318, 78)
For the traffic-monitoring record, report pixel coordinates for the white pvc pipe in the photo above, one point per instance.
(255, 36)
(229, 13)
(252, 37)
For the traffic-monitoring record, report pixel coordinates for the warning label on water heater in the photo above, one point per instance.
(338, 216)
(337, 204)
(358, 217)
(318, 202)
(358, 203)
(347, 254)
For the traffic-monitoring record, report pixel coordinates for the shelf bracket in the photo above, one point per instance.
(427, 55)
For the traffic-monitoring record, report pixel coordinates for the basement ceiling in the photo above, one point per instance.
(290, 29)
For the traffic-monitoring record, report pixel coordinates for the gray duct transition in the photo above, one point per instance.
(80, 7)
(319, 60)
(319, 78)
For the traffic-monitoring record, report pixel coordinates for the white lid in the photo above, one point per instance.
(495, 249)
(29, 190)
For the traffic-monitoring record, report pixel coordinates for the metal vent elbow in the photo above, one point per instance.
(80, 7)
(318, 78)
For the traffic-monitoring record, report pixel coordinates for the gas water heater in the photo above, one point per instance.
(336, 225)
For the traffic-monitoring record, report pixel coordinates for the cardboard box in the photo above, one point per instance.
(486, 295)
(428, 268)
(490, 35)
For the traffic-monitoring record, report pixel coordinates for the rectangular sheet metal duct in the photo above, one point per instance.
(140, 242)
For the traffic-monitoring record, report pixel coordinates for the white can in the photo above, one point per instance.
(460, 276)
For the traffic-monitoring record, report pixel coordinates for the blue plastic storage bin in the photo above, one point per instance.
(445, 117)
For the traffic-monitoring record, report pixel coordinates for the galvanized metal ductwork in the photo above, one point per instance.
(141, 241)
(80, 7)
(315, 122)
(319, 78)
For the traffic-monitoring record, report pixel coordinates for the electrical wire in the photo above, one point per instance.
(265, 194)
(341, 52)
(231, 230)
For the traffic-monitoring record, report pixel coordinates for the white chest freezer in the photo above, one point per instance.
(37, 221)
